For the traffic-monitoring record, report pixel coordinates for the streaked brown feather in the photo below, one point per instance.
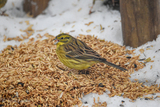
(80, 50)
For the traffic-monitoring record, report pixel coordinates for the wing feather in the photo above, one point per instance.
(80, 50)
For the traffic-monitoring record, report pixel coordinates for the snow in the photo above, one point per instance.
(72, 15)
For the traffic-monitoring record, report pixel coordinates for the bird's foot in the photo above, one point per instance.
(83, 72)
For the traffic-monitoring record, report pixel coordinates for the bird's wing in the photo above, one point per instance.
(80, 50)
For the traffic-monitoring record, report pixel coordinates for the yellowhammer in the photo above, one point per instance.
(78, 55)
(2, 3)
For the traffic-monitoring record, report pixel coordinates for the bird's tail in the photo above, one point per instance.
(115, 66)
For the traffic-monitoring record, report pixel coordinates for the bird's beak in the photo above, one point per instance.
(56, 41)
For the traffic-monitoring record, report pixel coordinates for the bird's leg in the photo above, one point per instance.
(83, 71)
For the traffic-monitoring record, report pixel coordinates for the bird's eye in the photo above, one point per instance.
(61, 37)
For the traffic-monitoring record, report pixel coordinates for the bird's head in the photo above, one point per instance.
(62, 39)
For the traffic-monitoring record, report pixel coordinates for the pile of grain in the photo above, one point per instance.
(32, 75)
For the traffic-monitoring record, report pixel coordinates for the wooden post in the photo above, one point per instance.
(35, 7)
(140, 21)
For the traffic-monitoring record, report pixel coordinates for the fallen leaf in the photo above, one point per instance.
(148, 59)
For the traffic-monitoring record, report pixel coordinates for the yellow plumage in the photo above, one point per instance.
(78, 55)
(2, 3)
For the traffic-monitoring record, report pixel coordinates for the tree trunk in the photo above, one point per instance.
(35, 7)
(140, 21)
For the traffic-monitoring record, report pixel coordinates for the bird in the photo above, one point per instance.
(2, 3)
(76, 54)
